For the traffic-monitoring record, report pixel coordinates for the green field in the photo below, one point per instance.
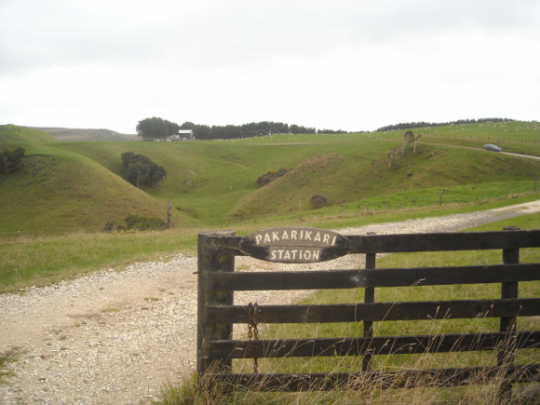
(74, 188)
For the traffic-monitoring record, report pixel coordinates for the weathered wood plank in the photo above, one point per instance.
(417, 242)
(381, 345)
(400, 311)
(208, 263)
(367, 278)
(373, 379)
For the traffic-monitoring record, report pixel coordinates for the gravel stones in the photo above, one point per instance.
(114, 337)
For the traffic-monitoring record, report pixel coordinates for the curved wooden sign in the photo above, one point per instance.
(295, 245)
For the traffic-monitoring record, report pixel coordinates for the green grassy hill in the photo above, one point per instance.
(56, 190)
(80, 183)
(347, 168)
(78, 134)
(15, 134)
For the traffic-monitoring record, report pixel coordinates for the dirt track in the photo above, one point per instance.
(115, 337)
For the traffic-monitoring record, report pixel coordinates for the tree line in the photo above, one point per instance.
(412, 125)
(158, 128)
(251, 130)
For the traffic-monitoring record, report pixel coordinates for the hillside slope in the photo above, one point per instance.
(56, 190)
(13, 133)
(78, 134)
(346, 178)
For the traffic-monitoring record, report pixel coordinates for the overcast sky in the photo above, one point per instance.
(353, 65)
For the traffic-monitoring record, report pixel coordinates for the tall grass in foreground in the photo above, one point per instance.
(482, 394)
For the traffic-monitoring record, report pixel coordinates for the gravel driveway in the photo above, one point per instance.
(116, 337)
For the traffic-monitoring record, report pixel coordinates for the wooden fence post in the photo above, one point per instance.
(509, 289)
(369, 297)
(209, 261)
(169, 215)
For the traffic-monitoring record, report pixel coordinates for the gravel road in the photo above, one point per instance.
(114, 337)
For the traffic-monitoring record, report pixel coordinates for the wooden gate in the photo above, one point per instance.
(217, 313)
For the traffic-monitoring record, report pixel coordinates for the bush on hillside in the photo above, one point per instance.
(318, 201)
(10, 160)
(270, 176)
(135, 222)
(140, 170)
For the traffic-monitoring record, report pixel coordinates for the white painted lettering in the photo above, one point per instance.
(287, 255)
(258, 238)
(294, 254)
(293, 235)
(267, 238)
(334, 240)
(273, 255)
(326, 238)
(308, 235)
(307, 255)
(301, 235)
(316, 254)
(275, 236)
(280, 254)
(285, 236)
(317, 237)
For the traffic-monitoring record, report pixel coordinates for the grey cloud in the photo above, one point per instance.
(209, 34)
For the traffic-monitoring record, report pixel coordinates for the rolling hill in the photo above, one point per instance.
(79, 184)
(57, 191)
(77, 134)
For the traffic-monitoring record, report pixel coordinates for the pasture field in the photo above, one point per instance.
(187, 393)
(52, 211)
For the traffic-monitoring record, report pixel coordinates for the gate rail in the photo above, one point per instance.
(217, 313)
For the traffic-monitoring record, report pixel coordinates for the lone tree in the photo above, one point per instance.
(156, 128)
(409, 137)
(11, 159)
(140, 170)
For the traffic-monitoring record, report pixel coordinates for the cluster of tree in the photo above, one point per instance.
(412, 125)
(156, 128)
(140, 170)
(271, 176)
(10, 160)
(251, 130)
(331, 132)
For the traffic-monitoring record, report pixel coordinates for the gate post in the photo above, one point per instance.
(509, 289)
(210, 261)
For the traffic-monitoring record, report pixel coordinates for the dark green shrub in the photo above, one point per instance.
(270, 176)
(134, 221)
(318, 201)
(10, 160)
